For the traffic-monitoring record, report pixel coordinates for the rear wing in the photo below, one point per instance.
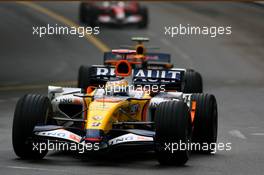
(171, 77)
(149, 57)
(158, 57)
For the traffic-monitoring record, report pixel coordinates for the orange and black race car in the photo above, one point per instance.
(114, 13)
(154, 67)
(118, 114)
(144, 58)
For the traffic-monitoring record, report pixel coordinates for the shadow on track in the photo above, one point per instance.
(114, 159)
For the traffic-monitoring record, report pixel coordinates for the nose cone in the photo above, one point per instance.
(100, 115)
(119, 13)
(94, 135)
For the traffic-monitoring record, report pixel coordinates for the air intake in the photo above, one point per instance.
(123, 68)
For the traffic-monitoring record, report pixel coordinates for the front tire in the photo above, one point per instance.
(173, 126)
(205, 121)
(30, 111)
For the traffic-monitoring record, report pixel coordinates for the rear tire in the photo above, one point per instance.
(30, 111)
(193, 82)
(205, 121)
(82, 14)
(87, 15)
(86, 78)
(173, 126)
(143, 11)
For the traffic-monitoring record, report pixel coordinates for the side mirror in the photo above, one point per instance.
(54, 89)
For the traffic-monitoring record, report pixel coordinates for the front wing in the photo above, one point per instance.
(119, 138)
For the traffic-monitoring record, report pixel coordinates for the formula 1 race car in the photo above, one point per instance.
(113, 12)
(151, 65)
(115, 116)
(148, 59)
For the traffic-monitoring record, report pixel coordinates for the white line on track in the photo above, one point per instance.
(31, 168)
(258, 134)
(36, 86)
(13, 99)
(237, 133)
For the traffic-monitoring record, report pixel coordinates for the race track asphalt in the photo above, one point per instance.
(232, 68)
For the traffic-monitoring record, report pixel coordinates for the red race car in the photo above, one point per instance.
(116, 13)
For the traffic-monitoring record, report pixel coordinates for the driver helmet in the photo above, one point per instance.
(117, 88)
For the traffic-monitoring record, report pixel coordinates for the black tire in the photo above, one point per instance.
(30, 111)
(87, 14)
(86, 78)
(173, 125)
(143, 11)
(82, 13)
(192, 82)
(205, 121)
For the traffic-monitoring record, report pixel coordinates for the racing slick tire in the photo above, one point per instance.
(193, 82)
(30, 110)
(85, 78)
(87, 15)
(143, 11)
(82, 14)
(173, 127)
(205, 121)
